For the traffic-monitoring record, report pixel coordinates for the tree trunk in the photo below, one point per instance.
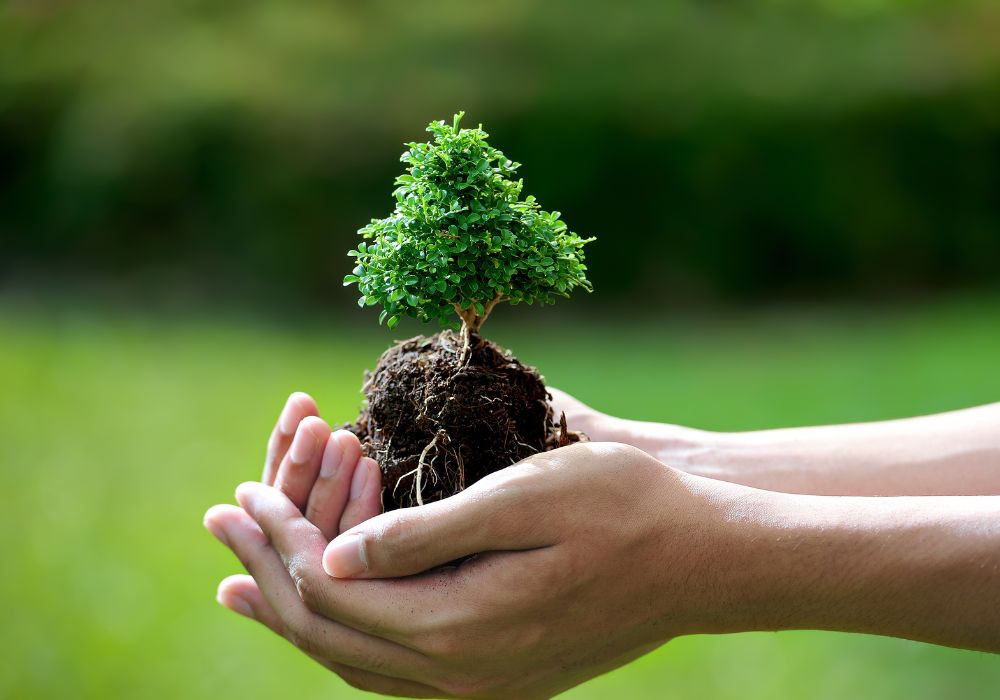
(472, 322)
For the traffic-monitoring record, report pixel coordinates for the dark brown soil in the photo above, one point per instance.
(436, 425)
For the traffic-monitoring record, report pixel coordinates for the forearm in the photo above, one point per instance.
(920, 568)
(956, 453)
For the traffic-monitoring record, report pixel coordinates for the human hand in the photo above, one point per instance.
(324, 476)
(588, 556)
(579, 416)
(321, 472)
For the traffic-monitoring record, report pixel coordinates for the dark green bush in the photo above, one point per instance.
(721, 149)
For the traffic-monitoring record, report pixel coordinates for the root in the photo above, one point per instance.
(461, 470)
(463, 357)
(472, 322)
(418, 485)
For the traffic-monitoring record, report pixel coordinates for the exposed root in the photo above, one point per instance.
(420, 465)
(461, 470)
(464, 355)
(436, 424)
(418, 487)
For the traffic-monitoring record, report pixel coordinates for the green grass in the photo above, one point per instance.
(118, 430)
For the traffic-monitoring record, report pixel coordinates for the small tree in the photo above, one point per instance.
(461, 240)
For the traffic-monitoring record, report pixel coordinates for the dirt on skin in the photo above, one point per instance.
(437, 424)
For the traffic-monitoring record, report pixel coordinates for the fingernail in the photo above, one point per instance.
(332, 456)
(345, 556)
(361, 475)
(303, 446)
(237, 604)
(285, 423)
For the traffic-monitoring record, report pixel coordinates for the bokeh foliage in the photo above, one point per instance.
(745, 148)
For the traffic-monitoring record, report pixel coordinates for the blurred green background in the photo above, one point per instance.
(797, 206)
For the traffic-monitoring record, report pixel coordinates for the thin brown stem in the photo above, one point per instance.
(472, 322)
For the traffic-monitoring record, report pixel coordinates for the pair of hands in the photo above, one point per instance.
(588, 556)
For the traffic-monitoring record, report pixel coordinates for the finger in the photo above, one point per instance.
(313, 634)
(385, 609)
(384, 685)
(366, 495)
(241, 595)
(298, 406)
(301, 464)
(491, 515)
(333, 485)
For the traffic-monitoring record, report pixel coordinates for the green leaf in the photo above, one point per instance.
(393, 320)
(460, 229)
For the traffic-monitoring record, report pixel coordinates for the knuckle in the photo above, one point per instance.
(313, 424)
(317, 512)
(305, 588)
(445, 636)
(293, 636)
(374, 663)
(634, 463)
(355, 678)
(307, 582)
(301, 636)
(440, 645)
(399, 534)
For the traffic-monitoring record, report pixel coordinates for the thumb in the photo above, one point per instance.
(413, 540)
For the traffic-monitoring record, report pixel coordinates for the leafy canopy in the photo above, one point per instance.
(461, 239)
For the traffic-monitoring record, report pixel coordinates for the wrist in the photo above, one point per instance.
(903, 567)
(769, 561)
(689, 449)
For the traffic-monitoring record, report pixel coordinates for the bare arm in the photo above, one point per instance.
(954, 453)
(923, 568)
(590, 556)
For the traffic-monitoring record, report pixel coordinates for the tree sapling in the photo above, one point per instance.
(446, 410)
